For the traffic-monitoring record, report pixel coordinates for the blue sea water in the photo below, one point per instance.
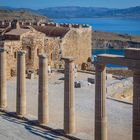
(108, 51)
(115, 25)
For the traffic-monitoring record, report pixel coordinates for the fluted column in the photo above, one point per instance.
(69, 99)
(21, 84)
(136, 105)
(100, 103)
(43, 113)
(3, 72)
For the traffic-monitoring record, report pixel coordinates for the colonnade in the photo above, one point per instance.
(131, 59)
(43, 108)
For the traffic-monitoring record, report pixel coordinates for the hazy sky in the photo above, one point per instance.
(35, 4)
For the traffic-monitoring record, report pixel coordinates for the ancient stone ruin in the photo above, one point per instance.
(56, 40)
(132, 61)
(43, 116)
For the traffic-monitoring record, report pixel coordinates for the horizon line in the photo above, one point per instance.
(67, 6)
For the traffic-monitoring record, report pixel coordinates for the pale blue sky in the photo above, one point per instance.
(35, 4)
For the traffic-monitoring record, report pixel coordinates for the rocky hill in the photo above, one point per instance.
(104, 40)
(90, 12)
(20, 14)
(69, 12)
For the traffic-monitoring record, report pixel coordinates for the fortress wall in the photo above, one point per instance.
(77, 43)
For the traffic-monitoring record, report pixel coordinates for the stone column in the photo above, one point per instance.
(136, 105)
(69, 109)
(133, 54)
(100, 103)
(3, 72)
(21, 84)
(43, 113)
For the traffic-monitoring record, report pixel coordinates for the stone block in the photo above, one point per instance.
(77, 84)
(91, 80)
(132, 53)
(80, 84)
(30, 76)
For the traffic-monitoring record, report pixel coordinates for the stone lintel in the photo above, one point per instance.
(70, 59)
(111, 59)
(118, 60)
(132, 53)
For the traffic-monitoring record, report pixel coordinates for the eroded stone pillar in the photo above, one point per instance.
(136, 105)
(43, 113)
(133, 54)
(69, 100)
(21, 84)
(100, 103)
(3, 72)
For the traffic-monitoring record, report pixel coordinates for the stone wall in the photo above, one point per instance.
(33, 44)
(53, 50)
(77, 43)
(12, 47)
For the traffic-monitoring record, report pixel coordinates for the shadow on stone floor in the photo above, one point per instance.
(46, 134)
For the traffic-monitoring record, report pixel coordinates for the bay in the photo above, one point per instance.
(115, 25)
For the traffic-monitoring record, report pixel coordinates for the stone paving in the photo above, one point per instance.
(119, 114)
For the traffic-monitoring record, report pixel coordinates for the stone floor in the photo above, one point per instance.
(119, 114)
(15, 129)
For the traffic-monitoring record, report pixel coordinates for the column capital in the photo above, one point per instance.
(68, 59)
(100, 66)
(21, 52)
(43, 55)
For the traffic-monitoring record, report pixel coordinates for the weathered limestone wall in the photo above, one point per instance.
(53, 50)
(77, 43)
(12, 47)
(33, 44)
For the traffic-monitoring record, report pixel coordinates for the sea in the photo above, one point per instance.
(114, 25)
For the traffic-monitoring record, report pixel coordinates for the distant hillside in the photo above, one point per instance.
(7, 13)
(67, 12)
(72, 12)
(89, 12)
(104, 40)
